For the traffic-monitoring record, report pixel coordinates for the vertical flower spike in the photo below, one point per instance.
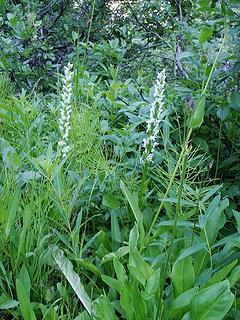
(65, 111)
(149, 144)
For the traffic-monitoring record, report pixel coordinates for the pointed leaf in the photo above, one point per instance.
(212, 303)
(67, 269)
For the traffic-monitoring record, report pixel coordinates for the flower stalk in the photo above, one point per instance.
(65, 111)
(149, 143)
(156, 115)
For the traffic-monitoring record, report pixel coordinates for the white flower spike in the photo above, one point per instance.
(149, 144)
(65, 112)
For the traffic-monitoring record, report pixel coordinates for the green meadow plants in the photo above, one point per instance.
(118, 173)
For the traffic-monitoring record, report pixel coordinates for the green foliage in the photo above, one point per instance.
(97, 234)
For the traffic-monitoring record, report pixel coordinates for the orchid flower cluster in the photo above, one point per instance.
(66, 109)
(156, 114)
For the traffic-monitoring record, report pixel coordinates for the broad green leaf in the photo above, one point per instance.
(2, 4)
(67, 269)
(110, 201)
(213, 189)
(204, 5)
(198, 114)
(112, 283)
(24, 302)
(74, 35)
(191, 250)
(89, 266)
(25, 280)
(121, 252)
(204, 277)
(234, 276)
(58, 181)
(91, 240)
(120, 271)
(83, 316)
(126, 300)
(135, 209)
(226, 239)
(139, 305)
(133, 238)
(27, 176)
(3, 214)
(205, 34)
(12, 211)
(115, 230)
(108, 257)
(184, 299)
(186, 316)
(212, 303)
(48, 313)
(215, 221)
(26, 223)
(223, 112)
(138, 267)
(103, 309)
(181, 223)
(237, 217)
(11, 158)
(153, 283)
(184, 54)
(211, 222)
(235, 100)
(184, 203)
(181, 279)
(221, 274)
(7, 303)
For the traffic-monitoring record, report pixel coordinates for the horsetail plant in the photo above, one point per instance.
(65, 111)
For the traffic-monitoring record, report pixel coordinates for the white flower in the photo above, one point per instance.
(65, 112)
(149, 143)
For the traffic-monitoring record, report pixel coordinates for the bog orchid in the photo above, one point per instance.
(156, 114)
(65, 111)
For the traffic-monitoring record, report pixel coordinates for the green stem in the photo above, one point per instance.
(215, 62)
(218, 150)
(143, 185)
(163, 278)
(89, 30)
(182, 154)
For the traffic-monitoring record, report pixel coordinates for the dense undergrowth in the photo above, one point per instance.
(119, 193)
